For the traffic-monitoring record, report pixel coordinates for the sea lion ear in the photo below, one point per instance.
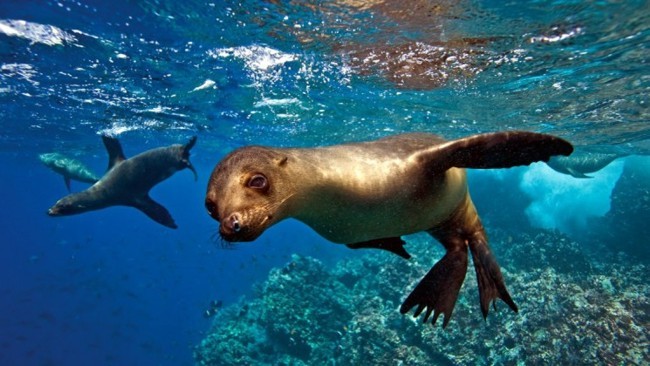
(281, 160)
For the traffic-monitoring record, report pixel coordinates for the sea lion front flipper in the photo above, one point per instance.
(490, 280)
(494, 150)
(577, 174)
(393, 245)
(155, 211)
(439, 289)
(66, 179)
(114, 149)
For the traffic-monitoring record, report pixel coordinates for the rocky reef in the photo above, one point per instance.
(625, 226)
(577, 305)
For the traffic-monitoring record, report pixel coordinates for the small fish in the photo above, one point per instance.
(215, 305)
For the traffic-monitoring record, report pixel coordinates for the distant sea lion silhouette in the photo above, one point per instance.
(369, 194)
(69, 168)
(580, 164)
(128, 181)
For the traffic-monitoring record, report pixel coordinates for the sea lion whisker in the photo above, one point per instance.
(272, 207)
(275, 206)
(219, 241)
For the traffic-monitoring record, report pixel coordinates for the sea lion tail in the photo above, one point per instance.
(490, 280)
(439, 289)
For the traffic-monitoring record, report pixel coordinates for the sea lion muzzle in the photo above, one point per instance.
(234, 223)
(230, 227)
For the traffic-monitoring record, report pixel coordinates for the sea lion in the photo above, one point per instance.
(127, 181)
(579, 164)
(369, 194)
(69, 168)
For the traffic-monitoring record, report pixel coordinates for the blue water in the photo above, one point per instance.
(113, 287)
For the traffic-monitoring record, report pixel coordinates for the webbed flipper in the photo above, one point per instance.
(66, 179)
(393, 245)
(577, 174)
(114, 149)
(155, 211)
(494, 150)
(490, 280)
(186, 156)
(438, 290)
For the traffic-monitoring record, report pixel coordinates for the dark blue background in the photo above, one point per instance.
(112, 286)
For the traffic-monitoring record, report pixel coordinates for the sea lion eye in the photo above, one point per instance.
(258, 181)
(212, 209)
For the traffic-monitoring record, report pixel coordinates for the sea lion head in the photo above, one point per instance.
(71, 204)
(247, 192)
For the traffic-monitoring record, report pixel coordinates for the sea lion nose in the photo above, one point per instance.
(232, 223)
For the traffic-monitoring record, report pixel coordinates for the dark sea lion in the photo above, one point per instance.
(128, 181)
(369, 194)
(70, 169)
(579, 164)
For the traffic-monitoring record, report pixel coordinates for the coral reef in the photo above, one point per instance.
(577, 306)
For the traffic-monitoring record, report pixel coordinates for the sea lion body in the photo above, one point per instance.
(128, 181)
(369, 194)
(371, 181)
(70, 169)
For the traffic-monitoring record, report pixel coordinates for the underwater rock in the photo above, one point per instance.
(543, 249)
(574, 309)
(627, 220)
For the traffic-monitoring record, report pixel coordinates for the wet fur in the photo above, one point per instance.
(128, 182)
(369, 194)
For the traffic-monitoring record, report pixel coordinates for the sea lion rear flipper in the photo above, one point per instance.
(114, 149)
(155, 211)
(490, 281)
(394, 245)
(439, 289)
(66, 180)
(186, 155)
(494, 150)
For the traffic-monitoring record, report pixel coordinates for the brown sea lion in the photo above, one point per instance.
(369, 194)
(128, 181)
